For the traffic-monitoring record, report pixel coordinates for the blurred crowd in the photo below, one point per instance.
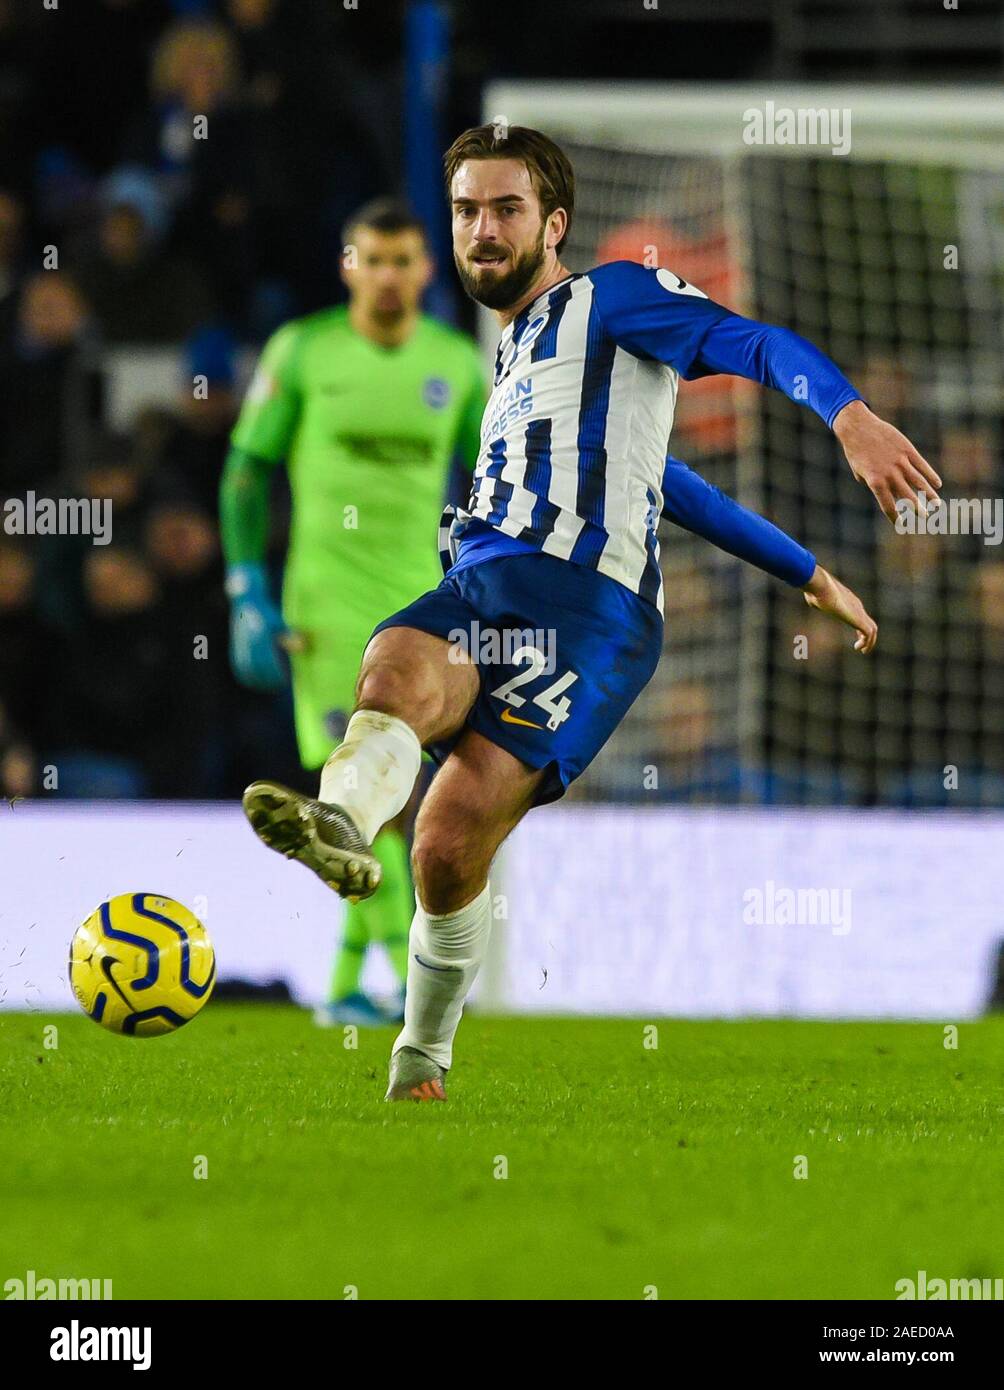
(121, 226)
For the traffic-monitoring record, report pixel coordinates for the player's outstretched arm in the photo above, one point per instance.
(655, 314)
(690, 501)
(879, 455)
(826, 593)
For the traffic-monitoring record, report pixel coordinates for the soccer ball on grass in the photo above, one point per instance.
(142, 965)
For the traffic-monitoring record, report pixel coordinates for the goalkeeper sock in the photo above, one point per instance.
(372, 771)
(383, 918)
(445, 954)
(351, 953)
(388, 913)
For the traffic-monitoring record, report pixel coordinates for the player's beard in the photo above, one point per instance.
(497, 290)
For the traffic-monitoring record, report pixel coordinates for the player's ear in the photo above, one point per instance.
(557, 226)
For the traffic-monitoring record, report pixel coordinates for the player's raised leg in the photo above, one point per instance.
(413, 688)
(477, 798)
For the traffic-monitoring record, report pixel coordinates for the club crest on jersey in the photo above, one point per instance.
(436, 392)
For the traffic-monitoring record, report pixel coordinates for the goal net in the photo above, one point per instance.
(885, 247)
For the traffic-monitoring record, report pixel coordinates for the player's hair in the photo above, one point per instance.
(383, 215)
(547, 164)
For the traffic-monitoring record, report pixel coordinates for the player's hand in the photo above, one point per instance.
(830, 596)
(884, 459)
(256, 626)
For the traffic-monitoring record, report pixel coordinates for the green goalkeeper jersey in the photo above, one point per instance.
(368, 434)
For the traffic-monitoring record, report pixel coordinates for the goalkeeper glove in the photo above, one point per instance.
(255, 626)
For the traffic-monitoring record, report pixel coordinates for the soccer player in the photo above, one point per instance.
(560, 536)
(367, 404)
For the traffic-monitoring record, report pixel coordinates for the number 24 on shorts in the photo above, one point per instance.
(552, 700)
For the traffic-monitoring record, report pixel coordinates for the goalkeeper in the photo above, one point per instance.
(367, 404)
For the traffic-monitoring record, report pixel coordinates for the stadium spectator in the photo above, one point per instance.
(203, 142)
(94, 56)
(23, 113)
(688, 600)
(113, 472)
(989, 583)
(24, 650)
(970, 458)
(270, 56)
(194, 74)
(911, 571)
(39, 370)
(289, 83)
(189, 444)
(326, 143)
(138, 290)
(18, 765)
(891, 384)
(182, 546)
(110, 474)
(11, 249)
(116, 692)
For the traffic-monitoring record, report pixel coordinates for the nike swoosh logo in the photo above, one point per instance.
(443, 969)
(106, 965)
(509, 718)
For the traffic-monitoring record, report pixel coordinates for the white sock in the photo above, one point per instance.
(372, 771)
(451, 948)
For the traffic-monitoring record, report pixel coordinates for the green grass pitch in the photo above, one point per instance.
(628, 1168)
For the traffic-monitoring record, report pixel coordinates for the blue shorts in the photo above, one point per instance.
(562, 652)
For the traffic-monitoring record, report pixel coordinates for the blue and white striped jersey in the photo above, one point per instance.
(574, 436)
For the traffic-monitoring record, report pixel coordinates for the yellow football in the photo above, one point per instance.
(142, 965)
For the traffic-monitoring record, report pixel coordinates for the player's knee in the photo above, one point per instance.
(392, 687)
(379, 686)
(445, 868)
